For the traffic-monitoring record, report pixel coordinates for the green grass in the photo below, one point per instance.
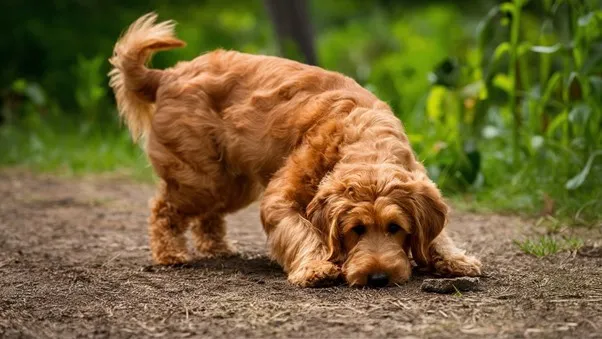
(457, 293)
(529, 199)
(573, 243)
(548, 245)
(68, 149)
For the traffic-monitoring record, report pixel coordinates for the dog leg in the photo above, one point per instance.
(447, 259)
(299, 250)
(166, 228)
(294, 242)
(209, 236)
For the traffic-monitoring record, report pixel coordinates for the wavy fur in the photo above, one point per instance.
(135, 86)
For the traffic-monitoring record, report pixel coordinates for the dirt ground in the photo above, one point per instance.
(75, 262)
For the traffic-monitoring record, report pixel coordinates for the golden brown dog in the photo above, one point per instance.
(343, 194)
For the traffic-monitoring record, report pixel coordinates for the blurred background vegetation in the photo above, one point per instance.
(501, 100)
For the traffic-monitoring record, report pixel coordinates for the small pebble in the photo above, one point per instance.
(450, 285)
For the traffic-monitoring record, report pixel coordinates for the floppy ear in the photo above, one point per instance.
(430, 216)
(324, 217)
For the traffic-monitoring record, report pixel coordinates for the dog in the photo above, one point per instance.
(343, 196)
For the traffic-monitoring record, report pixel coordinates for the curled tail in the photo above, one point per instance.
(134, 85)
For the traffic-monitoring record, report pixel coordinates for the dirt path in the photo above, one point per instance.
(74, 262)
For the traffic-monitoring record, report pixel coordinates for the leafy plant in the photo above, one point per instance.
(528, 106)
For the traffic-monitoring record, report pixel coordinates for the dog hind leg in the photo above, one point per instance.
(166, 229)
(209, 232)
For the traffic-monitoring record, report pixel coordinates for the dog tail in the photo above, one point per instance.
(135, 86)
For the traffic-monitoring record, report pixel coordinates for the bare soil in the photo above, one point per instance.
(75, 262)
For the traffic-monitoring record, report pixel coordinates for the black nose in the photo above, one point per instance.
(378, 280)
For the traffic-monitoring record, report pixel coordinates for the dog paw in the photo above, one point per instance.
(316, 273)
(216, 250)
(171, 258)
(225, 252)
(459, 265)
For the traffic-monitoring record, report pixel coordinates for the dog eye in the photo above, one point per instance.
(359, 229)
(393, 228)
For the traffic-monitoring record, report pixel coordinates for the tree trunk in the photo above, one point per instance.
(293, 29)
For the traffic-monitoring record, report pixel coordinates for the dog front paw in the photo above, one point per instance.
(316, 273)
(459, 265)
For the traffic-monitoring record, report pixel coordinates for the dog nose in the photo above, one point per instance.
(378, 280)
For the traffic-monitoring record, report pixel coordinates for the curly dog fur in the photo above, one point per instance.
(342, 194)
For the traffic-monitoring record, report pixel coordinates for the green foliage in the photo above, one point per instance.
(53, 143)
(501, 101)
(547, 245)
(48, 37)
(527, 105)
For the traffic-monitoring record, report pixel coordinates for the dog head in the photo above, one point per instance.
(373, 217)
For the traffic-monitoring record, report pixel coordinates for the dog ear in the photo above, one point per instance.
(429, 212)
(324, 217)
